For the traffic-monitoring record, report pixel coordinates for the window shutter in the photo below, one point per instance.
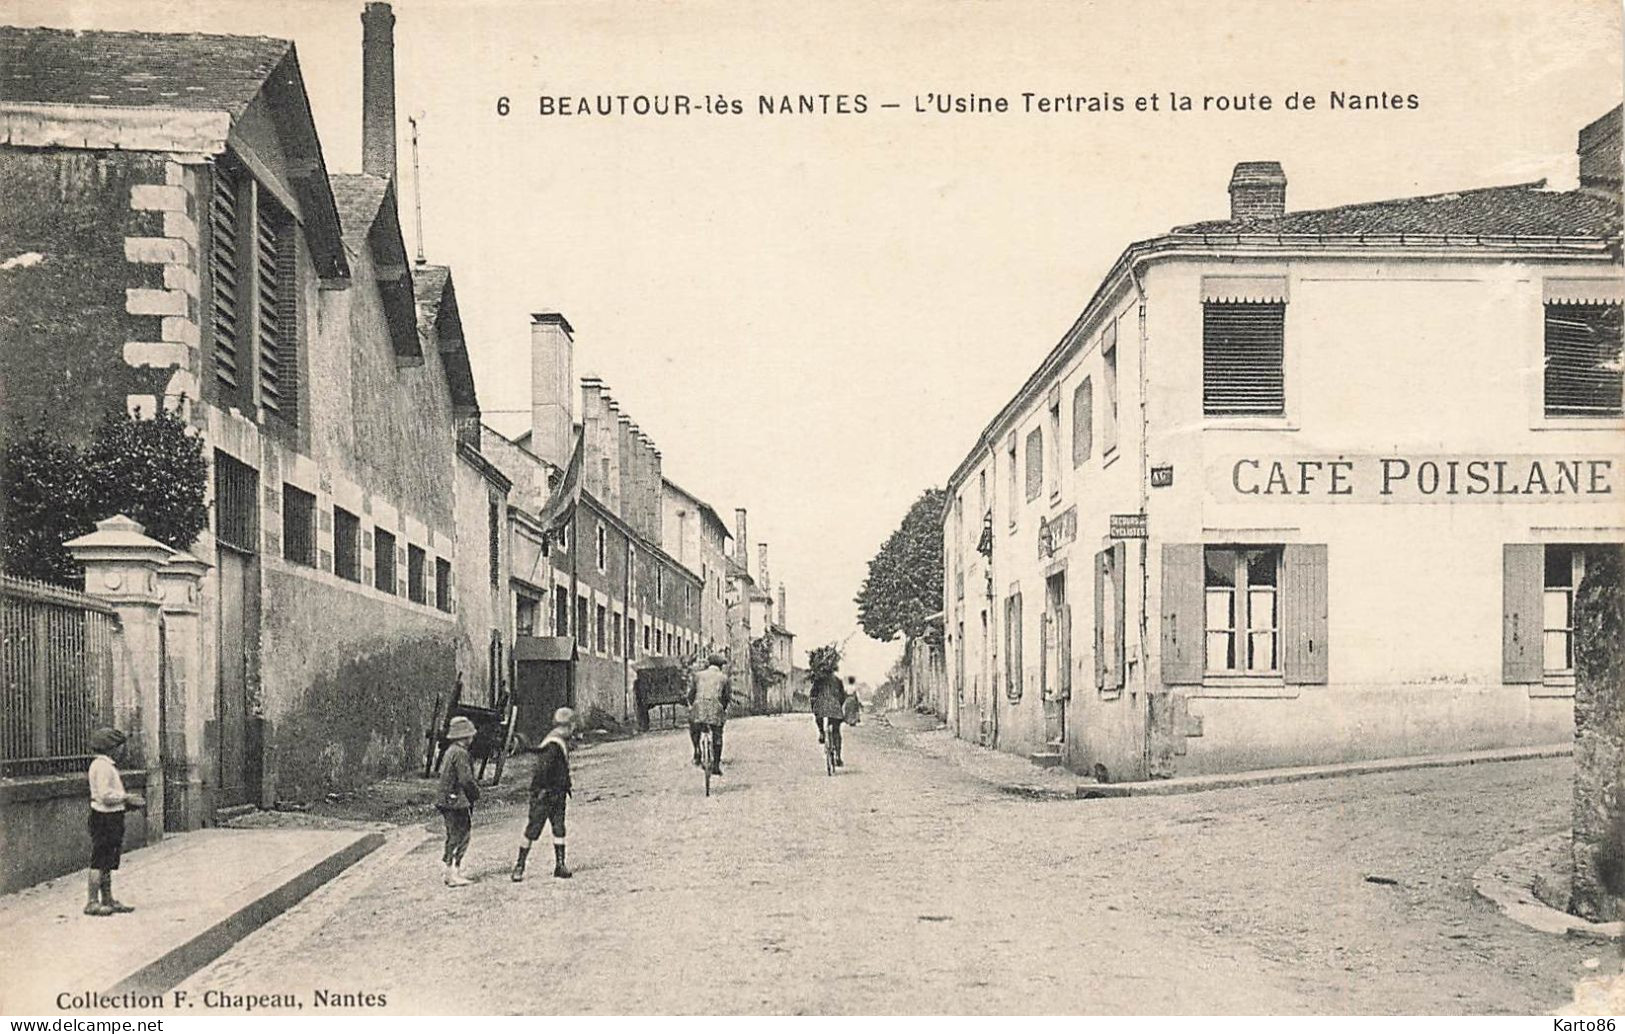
(1523, 573)
(1583, 360)
(1119, 593)
(1303, 614)
(1183, 617)
(1242, 352)
(1035, 462)
(1102, 560)
(269, 322)
(1083, 421)
(1064, 677)
(226, 288)
(1017, 682)
(1044, 687)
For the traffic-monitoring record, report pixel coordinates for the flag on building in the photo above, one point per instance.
(561, 505)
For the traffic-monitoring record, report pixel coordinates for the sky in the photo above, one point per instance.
(814, 316)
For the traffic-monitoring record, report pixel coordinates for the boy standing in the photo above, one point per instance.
(107, 803)
(458, 792)
(549, 787)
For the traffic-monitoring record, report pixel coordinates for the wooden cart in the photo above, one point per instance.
(493, 726)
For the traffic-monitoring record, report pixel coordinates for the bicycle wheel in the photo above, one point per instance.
(829, 756)
(707, 758)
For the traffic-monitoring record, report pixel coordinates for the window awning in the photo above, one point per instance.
(1585, 291)
(1244, 289)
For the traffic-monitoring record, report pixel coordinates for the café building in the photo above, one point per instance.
(1302, 487)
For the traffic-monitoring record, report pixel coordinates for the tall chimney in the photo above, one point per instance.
(593, 460)
(741, 540)
(651, 501)
(1257, 191)
(552, 387)
(784, 607)
(378, 91)
(610, 442)
(767, 581)
(1600, 154)
(629, 473)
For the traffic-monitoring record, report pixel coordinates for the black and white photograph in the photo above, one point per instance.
(859, 509)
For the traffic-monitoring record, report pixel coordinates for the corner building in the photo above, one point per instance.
(1302, 487)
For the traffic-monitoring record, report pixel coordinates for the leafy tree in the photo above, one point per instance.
(762, 671)
(824, 660)
(152, 470)
(904, 584)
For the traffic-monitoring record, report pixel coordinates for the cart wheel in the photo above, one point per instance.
(433, 736)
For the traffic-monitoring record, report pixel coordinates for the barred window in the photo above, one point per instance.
(1583, 360)
(346, 545)
(383, 561)
(236, 503)
(416, 590)
(298, 526)
(1243, 350)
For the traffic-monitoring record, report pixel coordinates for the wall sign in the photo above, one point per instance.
(1052, 535)
(1162, 477)
(1127, 526)
(1410, 478)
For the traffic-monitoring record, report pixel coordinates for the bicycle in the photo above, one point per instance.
(707, 756)
(829, 753)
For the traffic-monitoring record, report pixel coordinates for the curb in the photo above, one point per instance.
(1498, 881)
(182, 961)
(1273, 776)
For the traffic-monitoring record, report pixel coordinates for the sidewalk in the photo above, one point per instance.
(196, 894)
(1017, 776)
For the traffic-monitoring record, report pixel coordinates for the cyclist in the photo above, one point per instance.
(708, 698)
(828, 700)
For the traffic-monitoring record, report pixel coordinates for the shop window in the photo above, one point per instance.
(1083, 422)
(1035, 463)
(417, 590)
(1242, 613)
(346, 545)
(442, 584)
(1583, 360)
(298, 526)
(383, 561)
(1243, 352)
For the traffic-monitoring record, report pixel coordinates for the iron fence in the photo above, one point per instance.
(56, 676)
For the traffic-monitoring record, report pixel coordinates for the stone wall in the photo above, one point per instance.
(1599, 740)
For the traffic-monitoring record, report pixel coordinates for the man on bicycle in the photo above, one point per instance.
(708, 699)
(828, 701)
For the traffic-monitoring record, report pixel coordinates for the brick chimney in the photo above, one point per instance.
(761, 556)
(1257, 191)
(741, 540)
(784, 607)
(378, 91)
(651, 498)
(1600, 154)
(552, 387)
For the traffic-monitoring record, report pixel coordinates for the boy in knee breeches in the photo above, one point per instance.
(108, 800)
(549, 788)
(458, 792)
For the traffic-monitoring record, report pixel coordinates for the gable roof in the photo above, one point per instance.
(371, 221)
(1520, 210)
(438, 316)
(136, 69)
(120, 73)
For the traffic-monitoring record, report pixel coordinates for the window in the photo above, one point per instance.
(981, 492)
(648, 633)
(1035, 463)
(1583, 360)
(383, 561)
(442, 584)
(254, 317)
(561, 611)
(1083, 422)
(660, 584)
(602, 549)
(601, 629)
(615, 632)
(298, 526)
(1055, 443)
(581, 623)
(1111, 624)
(1242, 358)
(1242, 615)
(346, 545)
(494, 520)
(1108, 357)
(416, 590)
(236, 503)
(1565, 566)
(1012, 646)
(524, 619)
(631, 637)
(1015, 488)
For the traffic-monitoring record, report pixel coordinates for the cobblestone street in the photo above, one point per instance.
(906, 885)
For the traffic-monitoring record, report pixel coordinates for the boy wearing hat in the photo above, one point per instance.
(549, 787)
(107, 803)
(458, 792)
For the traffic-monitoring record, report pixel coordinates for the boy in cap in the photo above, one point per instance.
(458, 792)
(549, 787)
(107, 803)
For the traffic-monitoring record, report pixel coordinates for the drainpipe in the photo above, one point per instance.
(1145, 502)
(992, 612)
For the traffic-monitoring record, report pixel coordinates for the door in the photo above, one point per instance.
(1057, 658)
(232, 707)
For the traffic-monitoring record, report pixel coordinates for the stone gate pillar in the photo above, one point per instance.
(188, 688)
(121, 566)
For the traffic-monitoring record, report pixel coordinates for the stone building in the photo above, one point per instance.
(698, 539)
(192, 251)
(1255, 510)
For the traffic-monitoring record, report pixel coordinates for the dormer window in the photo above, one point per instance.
(254, 310)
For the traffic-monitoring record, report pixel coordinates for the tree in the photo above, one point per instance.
(904, 585)
(762, 671)
(150, 470)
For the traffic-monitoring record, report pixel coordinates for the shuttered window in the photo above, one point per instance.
(1012, 647)
(274, 305)
(1083, 422)
(1243, 349)
(230, 291)
(1244, 611)
(1583, 360)
(1523, 568)
(1035, 463)
(254, 298)
(1110, 623)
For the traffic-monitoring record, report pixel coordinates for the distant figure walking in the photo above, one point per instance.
(852, 709)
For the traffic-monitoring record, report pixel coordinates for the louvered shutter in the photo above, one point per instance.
(1064, 652)
(1183, 617)
(1119, 553)
(1303, 615)
(228, 288)
(1102, 572)
(1083, 421)
(268, 321)
(1523, 574)
(1583, 360)
(1242, 354)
